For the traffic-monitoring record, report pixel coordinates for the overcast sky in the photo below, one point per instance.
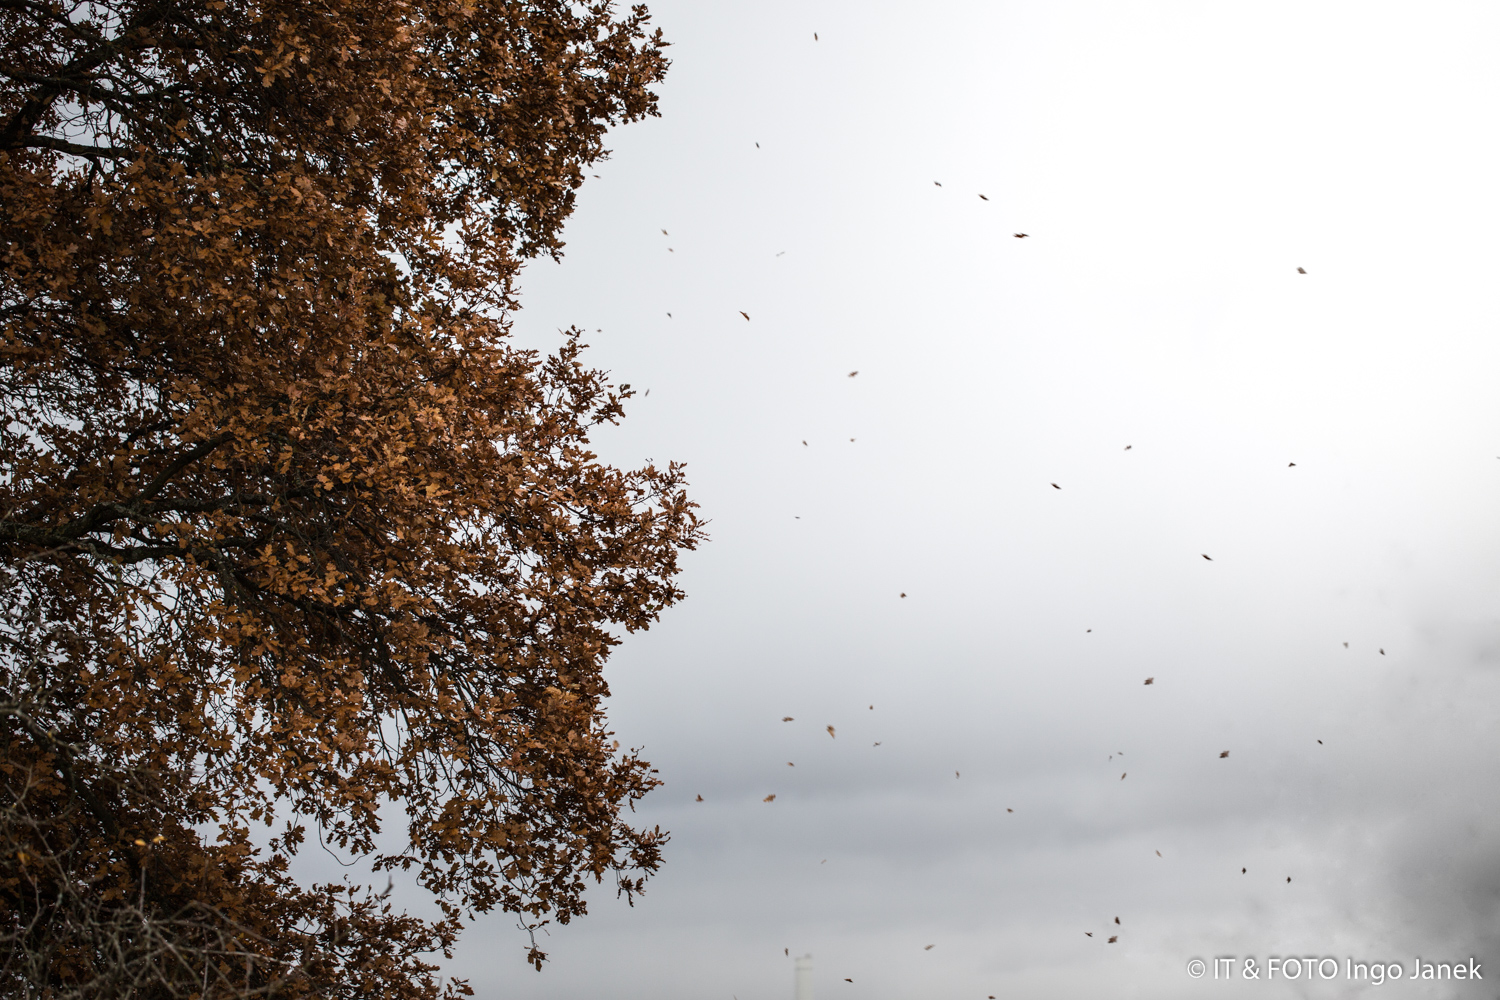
(1174, 164)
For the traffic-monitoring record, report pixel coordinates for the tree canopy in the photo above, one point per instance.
(290, 532)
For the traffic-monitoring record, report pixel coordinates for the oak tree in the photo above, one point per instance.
(293, 539)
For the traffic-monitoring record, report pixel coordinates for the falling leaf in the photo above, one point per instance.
(982, 196)
(854, 373)
(1301, 271)
(1206, 556)
(1224, 754)
(664, 232)
(1242, 871)
(1128, 447)
(1158, 854)
(1288, 878)
(1022, 236)
(1382, 652)
(1056, 487)
(903, 593)
(1320, 743)
(1088, 933)
(700, 798)
(1117, 920)
(1113, 938)
(955, 774)
(928, 948)
(790, 764)
(770, 798)
(830, 733)
(746, 315)
(1150, 680)
(787, 718)
(1010, 810)
(1122, 777)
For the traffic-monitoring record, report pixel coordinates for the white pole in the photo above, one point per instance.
(804, 977)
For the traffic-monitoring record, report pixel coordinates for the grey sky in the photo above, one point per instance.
(1173, 165)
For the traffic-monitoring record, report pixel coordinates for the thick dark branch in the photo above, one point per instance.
(72, 148)
(116, 96)
(17, 131)
(51, 540)
(183, 461)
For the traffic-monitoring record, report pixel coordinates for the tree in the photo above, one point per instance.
(289, 529)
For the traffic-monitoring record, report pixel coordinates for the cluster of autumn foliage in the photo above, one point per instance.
(293, 540)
